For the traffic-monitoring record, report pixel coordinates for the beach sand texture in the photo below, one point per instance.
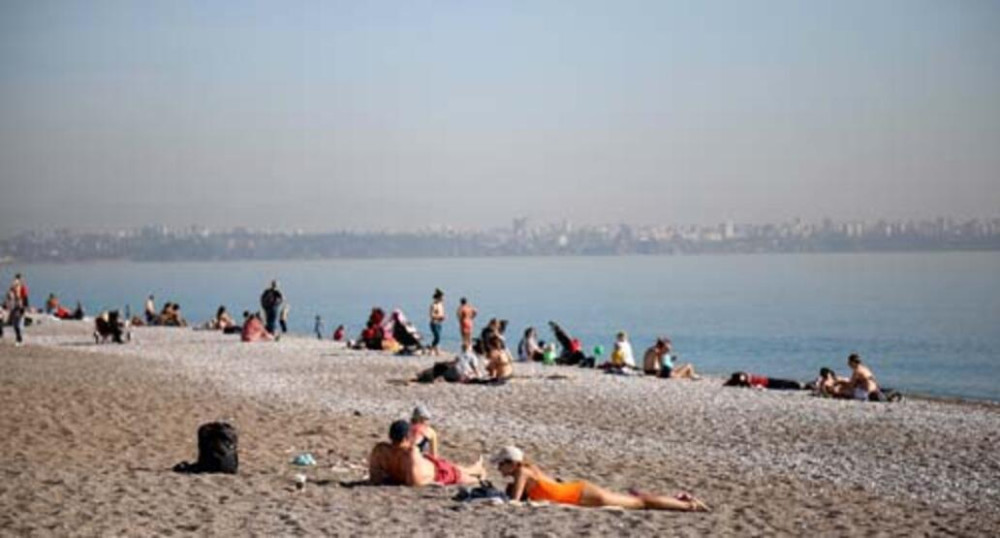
(89, 434)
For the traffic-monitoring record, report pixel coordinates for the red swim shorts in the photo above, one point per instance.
(445, 472)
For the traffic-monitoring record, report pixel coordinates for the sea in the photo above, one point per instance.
(926, 323)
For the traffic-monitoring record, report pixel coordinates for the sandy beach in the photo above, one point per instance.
(90, 433)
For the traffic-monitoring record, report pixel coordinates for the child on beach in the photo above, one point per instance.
(421, 433)
(318, 327)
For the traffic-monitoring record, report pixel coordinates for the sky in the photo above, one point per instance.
(332, 115)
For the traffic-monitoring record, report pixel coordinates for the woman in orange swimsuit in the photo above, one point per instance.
(466, 313)
(530, 480)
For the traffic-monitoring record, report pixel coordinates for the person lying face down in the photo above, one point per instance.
(400, 463)
(744, 379)
(531, 481)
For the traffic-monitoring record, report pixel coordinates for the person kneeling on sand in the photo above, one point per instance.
(531, 481)
(863, 385)
(400, 463)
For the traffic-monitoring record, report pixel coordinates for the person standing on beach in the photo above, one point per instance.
(466, 314)
(318, 327)
(271, 301)
(15, 313)
(437, 320)
(283, 318)
(20, 288)
(150, 310)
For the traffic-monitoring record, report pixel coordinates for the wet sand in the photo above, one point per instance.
(89, 434)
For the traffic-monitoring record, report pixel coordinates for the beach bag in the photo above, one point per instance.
(485, 490)
(217, 450)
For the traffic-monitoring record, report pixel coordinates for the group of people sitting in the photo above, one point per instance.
(381, 333)
(485, 362)
(410, 458)
(862, 384)
(658, 360)
(169, 316)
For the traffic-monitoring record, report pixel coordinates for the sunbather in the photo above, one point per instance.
(401, 463)
(530, 480)
(744, 379)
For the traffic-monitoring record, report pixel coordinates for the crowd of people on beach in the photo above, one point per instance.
(482, 359)
(412, 456)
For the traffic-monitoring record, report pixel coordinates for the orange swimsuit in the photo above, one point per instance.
(557, 492)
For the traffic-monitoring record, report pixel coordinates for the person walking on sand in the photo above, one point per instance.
(437, 320)
(14, 306)
(530, 480)
(20, 288)
(271, 301)
(400, 463)
(466, 314)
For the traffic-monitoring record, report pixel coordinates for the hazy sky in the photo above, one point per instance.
(329, 115)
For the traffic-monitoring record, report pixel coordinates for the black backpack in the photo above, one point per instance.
(217, 450)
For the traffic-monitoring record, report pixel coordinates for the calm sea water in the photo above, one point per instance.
(927, 323)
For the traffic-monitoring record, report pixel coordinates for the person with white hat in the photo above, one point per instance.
(421, 433)
(531, 481)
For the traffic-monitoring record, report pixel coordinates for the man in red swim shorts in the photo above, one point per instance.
(401, 463)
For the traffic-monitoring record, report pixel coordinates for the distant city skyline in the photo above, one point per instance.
(327, 115)
(521, 238)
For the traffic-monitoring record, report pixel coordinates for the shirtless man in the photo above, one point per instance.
(466, 313)
(862, 382)
(400, 463)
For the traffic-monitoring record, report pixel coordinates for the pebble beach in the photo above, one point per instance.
(90, 432)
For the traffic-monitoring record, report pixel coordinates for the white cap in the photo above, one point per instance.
(508, 453)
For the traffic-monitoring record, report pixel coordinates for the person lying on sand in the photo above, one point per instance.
(465, 368)
(400, 463)
(531, 481)
(744, 379)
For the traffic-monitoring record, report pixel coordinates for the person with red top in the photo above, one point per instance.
(744, 379)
